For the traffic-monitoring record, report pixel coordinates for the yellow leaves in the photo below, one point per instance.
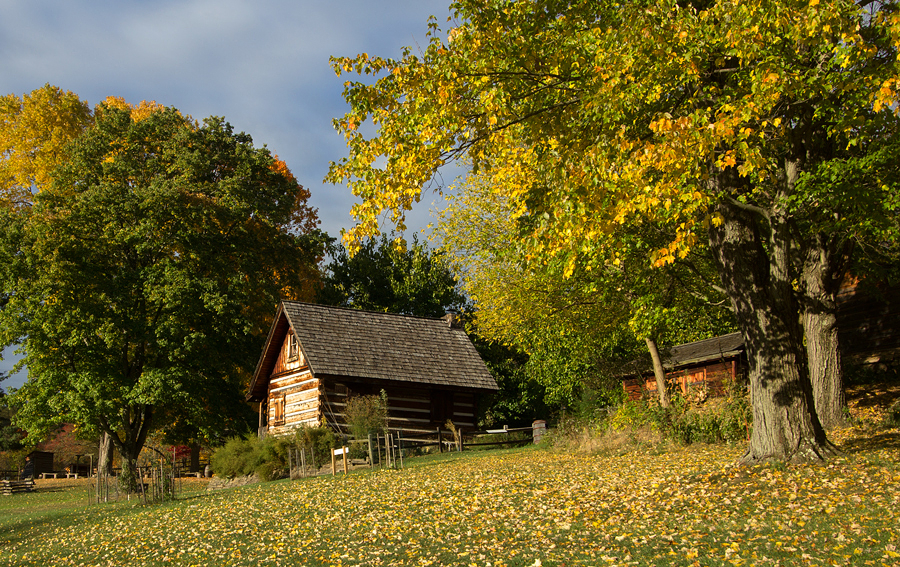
(594, 509)
(570, 267)
(34, 132)
(887, 95)
(728, 160)
(138, 112)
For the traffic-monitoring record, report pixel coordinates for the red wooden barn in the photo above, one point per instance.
(317, 357)
(699, 368)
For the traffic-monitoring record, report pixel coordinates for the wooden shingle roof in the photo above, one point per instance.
(687, 354)
(366, 345)
(715, 348)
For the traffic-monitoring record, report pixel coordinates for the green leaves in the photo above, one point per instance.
(144, 273)
(391, 276)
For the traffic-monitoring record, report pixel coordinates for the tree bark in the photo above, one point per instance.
(105, 458)
(129, 444)
(658, 372)
(129, 479)
(822, 272)
(756, 276)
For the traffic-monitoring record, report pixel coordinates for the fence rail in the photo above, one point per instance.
(388, 449)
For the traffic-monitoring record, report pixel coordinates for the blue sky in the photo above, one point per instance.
(262, 64)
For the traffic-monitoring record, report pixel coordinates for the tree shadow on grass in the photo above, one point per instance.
(869, 443)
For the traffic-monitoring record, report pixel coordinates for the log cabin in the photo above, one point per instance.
(317, 357)
(699, 369)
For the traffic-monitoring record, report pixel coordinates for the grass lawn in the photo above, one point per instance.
(520, 507)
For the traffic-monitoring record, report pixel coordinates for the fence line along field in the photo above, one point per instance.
(520, 507)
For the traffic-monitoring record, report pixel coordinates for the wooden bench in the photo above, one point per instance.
(46, 475)
(8, 487)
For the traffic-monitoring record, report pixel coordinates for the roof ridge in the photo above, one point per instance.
(354, 310)
(708, 339)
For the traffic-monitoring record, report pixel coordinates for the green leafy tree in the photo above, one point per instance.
(384, 275)
(731, 123)
(139, 278)
(11, 437)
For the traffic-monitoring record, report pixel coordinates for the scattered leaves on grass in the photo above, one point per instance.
(688, 506)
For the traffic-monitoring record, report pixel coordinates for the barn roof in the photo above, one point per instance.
(366, 345)
(715, 348)
(688, 354)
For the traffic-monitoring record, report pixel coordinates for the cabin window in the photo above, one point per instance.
(293, 348)
(278, 410)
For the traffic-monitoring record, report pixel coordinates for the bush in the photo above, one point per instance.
(366, 414)
(318, 440)
(12, 460)
(716, 420)
(241, 456)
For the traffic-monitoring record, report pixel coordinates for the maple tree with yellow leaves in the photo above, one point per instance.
(766, 129)
(34, 133)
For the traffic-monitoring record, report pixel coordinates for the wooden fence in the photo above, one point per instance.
(9, 487)
(389, 449)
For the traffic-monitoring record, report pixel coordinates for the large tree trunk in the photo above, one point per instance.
(129, 480)
(756, 277)
(822, 272)
(134, 433)
(658, 372)
(105, 458)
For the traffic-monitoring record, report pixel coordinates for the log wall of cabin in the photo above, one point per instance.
(294, 394)
(411, 408)
(709, 379)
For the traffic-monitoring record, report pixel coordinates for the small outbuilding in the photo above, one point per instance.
(701, 368)
(317, 357)
(869, 335)
(42, 462)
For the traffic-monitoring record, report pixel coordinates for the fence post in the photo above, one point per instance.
(538, 428)
(392, 460)
(440, 437)
(378, 449)
(346, 452)
(459, 440)
(371, 458)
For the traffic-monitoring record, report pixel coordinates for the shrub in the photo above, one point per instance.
(686, 421)
(366, 414)
(318, 440)
(12, 460)
(241, 456)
